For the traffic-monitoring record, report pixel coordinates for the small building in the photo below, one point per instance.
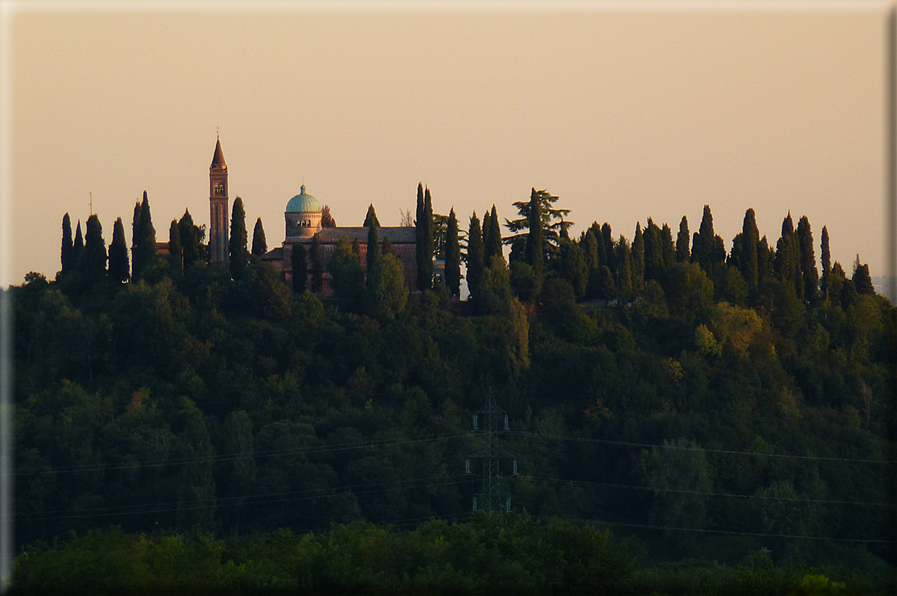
(305, 225)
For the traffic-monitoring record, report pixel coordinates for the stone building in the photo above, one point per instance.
(303, 225)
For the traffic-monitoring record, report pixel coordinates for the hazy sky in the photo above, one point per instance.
(626, 111)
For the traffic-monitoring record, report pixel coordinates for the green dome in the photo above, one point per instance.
(303, 203)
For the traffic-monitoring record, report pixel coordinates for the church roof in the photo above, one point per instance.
(218, 158)
(303, 203)
(396, 235)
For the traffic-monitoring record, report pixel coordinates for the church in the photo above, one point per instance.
(303, 225)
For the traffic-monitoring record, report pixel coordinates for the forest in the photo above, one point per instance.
(683, 417)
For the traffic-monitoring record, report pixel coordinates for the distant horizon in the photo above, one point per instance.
(624, 113)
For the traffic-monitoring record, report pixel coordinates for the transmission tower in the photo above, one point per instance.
(492, 494)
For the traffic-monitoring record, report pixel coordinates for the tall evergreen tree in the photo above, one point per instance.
(67, 245)
(749, 253)
(682, 250)
(535, 251)
(78, 248)
(589, 245)
(119, 270)
(317, 265)
(765, 259)
(189, 239)
(653, 255)
(259, 242)
(624, 269)
(136, 257)
(826, 262)
(807, 258)
(704, 243)
(373, 256)
(573, 267)
(492, 247)
(175, 254)
(452, 255)
(423, 224)
(787, 260)
(637, 256)
(94, 260)
(667, 249)
(475, 257)
(609, 251)
(299, 263)
(862, 281)
(371, 217)
(239, 255)
(487, 229)
(144, 240)
(553, 224)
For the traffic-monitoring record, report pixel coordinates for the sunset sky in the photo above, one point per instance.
(624, 110)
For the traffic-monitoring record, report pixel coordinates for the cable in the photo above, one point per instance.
(726, 451)
(728, 532)
(709, 494)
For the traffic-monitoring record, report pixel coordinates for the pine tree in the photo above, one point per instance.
(299, 262)
(535, 250)
(826, 263)
(370, 217)
(78, 248)
(175, 254)
(475, 258)
(67, 246)
(553, 224)
(94, 260)
(189, 240)
(748, 262)
(682, 250)
(119, 270)
(239, 255)
(259, 242)
(807, 258)
(452, 255)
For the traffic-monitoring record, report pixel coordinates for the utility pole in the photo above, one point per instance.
(492, 494)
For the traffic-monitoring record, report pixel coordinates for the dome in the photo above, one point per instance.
(303, 203)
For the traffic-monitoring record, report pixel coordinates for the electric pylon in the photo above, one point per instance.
(492, 494)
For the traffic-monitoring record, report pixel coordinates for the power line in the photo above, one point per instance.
(725, 451)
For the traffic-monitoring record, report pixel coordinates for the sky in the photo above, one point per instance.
(624, 110)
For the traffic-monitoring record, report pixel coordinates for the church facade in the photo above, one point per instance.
(303, 218)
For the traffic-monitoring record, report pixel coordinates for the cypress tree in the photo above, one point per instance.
(750, 252)
(704, 243)
(386, 248)
(765, 259)
(493, 247)
(119, 271)
(807, 258)
(573, 267)
(682, 250)
(787, 259)
(423, 225)
(136, 257)
(609, 252)
(370, 217)
(452, 255)
(475, 258)
(590, 250)
(667, 250)
(259, 242)
(373, 256)
(238, 239)
(826, 262)
(299, 262)
(175, 254)
(78, 248)
(595, 229)
(637, 261)
(487, 258)
(624, 273)
(144, 239)
(67, 246)
(535, 251)
(189, 240)
(94, 260)
(862, 281)
(653, 255)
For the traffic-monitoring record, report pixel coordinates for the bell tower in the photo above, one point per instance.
(218, 207)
